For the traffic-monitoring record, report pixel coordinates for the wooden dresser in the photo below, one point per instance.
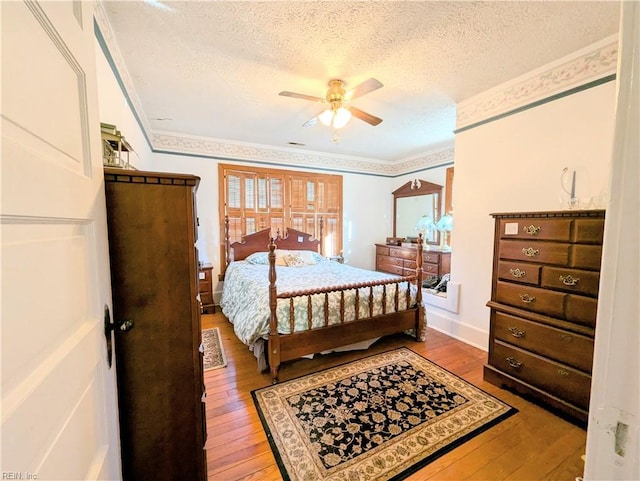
(206, 289)
(154, 278)
(546, 272)
(402, 261)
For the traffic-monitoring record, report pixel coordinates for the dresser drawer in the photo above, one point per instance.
(391, 269)
(382, 251)
(519, 272)
(557, 379)
(566, 347)
(543, 229)
(431, 258)
(544, 252)
(389, 261)
(586, 257)
(403, 253)
(571, 280)
(206, 298)
(581, 310)
(588, 231)
(430, 269)
(534, 299)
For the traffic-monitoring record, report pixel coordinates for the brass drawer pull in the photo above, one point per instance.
(569, 281)
(566, 338)
(515, 332)
(530, 252)
(532, 229)
(527, 299)
(514, 363)
(517, 273)
(563, 373)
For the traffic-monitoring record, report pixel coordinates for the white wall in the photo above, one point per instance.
(514, 164)
(114, 109)
(367, 203)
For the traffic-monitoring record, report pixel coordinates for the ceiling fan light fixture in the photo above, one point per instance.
(335, 118)
(341, 118)
(326, 117)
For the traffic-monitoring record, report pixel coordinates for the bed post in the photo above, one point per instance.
(227, 245)
(321, 235)
(420, 322)
(273, 346)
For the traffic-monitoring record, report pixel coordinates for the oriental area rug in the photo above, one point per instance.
(213, 351)
(379, 418)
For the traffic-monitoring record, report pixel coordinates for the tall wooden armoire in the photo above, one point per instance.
(154, 276)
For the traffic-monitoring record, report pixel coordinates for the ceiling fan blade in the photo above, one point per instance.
(284, 93)
(311, 122)
(362, 115)
(363, 88)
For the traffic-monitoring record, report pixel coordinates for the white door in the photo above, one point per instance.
(59, 415)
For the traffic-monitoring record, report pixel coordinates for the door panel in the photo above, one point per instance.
(58, 394)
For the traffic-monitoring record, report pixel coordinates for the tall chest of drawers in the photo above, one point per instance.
(546, 272)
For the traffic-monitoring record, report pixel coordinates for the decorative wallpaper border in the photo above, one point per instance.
(584, 66)
(224, 150)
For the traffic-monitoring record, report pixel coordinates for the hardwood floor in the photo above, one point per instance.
(534, 444)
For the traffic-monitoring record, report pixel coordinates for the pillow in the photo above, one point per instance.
(318, 257)
(258, 258)
(299, 258)
(294, 259)
(281, 254)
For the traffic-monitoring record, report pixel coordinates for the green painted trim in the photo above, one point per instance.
(537, 103)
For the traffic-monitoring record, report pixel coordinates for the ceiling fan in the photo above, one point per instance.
(337, 114)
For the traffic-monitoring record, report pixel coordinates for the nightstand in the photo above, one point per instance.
(205, 285)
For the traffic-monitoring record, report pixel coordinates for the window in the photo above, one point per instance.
(255, 199)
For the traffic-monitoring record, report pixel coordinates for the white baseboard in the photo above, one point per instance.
(440, 321)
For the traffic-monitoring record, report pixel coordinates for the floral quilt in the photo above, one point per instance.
(245, 296)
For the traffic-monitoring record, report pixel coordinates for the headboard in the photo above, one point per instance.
(259, 242)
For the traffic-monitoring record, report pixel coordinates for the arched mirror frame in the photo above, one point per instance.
(410, 189)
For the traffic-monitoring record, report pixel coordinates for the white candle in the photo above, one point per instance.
(573, 186)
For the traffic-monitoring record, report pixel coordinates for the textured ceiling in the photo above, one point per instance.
(214, 69)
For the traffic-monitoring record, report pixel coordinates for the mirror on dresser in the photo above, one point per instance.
(413, 201)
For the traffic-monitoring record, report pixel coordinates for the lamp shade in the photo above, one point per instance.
(425, 224)
(445, 224)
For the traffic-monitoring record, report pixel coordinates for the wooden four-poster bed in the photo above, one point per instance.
(281, 291)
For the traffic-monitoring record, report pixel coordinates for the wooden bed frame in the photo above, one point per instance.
(286, 347)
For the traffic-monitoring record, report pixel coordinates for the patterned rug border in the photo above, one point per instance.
(414, 467)
(218, 359)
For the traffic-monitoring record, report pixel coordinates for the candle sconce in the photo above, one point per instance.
(575, 188)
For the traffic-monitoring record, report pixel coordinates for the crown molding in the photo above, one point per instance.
(588, 64)
(180, 144)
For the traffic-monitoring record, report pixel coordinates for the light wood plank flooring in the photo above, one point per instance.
(534, 444)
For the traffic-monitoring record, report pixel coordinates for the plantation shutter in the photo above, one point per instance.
(254, 199)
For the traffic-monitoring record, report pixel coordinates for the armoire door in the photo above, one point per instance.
(154, 274)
